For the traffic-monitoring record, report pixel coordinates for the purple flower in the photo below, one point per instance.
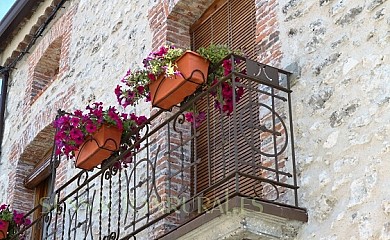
(200, 118)
(146, 61)
(63, 120)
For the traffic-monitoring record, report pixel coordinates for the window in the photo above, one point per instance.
(47, 69)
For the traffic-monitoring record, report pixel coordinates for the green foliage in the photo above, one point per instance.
(165, 63)
(6, 215)
(215, 52)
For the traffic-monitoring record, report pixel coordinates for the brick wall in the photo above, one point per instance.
(267, 33)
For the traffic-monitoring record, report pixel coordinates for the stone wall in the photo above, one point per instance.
(340, 51)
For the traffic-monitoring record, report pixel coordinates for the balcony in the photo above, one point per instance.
(187, 178)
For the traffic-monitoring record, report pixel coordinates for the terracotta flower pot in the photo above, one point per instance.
(3, 229)
(167, 92)
(98, 147)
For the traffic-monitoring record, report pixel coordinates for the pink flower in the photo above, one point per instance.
(162, 51)
(124, 116)
(217, 105)
(78, 113)
(58, 150)
(118, 91)
(239, 93)
(227, 91)
(90, 128)
(227, 67)
(148, 98)
(75, 121)
(151, 77)
(75, 133)
(196, 118)
(60, 135)
(117, 165)
(27, 221)
(128, 73)
(18, 218)
(141, 120)
(141, 89)
(189, 117)
(228, 107)
(133, 117)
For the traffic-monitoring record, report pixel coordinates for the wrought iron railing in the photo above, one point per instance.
(180, 170)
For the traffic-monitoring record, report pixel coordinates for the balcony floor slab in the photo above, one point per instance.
(243, 218)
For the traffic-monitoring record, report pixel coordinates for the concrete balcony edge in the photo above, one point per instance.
(243, 218)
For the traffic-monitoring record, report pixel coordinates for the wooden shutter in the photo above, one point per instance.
(230, 22)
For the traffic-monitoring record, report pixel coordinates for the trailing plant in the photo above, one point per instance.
(222, 67)
(73, 129)
(136, 83)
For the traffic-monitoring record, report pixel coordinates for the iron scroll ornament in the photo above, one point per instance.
(263, 129)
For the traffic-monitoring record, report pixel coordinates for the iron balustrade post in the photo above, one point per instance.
(275, 147)
(236, 123)
(292, 139)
